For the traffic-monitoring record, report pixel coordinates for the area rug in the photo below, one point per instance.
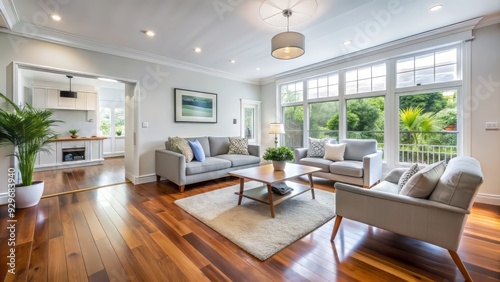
(250, 225)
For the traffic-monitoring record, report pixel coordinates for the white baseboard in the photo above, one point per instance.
(488, 199)
(4, 197)
(141, 179)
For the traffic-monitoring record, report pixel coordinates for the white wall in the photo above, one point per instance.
(74, 120)
(157, 84)
(486, 107)
(269, 100)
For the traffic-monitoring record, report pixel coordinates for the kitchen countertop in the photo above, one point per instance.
(79, 138)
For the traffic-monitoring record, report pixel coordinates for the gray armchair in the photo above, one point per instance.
(438, 220)
(362, 163)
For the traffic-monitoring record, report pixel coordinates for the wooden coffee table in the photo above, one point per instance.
(267, 175)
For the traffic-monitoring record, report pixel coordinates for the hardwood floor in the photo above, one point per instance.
(137, 233)
(72, 179)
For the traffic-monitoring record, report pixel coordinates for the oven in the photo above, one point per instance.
(73, 154)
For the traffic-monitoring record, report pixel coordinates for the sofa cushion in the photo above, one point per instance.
(198, 152)
(210, 164)
(386, 186)
(238, 145)
(407, 175)
(423, 182)
(458, 184)
(347, 168)
(204, 144)
(317, 162)
(316, 147)
(178, 144)
(239, 160)
(356, 149)
(334, 152)
(218, 145)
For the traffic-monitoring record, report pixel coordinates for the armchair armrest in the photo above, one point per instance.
(254, 150)
(300, 153)
(372, 167)
(394, 175)
(170, 165)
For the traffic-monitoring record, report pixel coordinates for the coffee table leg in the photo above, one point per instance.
(311, 184)
(240, 196)
(270, 199)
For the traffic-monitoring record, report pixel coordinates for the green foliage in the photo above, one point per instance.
(447, 116)
(73, 131)
(28, 130)
(431, 102)
(417, 123)
(282, 153)
(118, 132)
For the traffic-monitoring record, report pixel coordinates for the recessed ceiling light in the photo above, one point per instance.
(149, 33)
(197, 50)
(107, 79)
(258, 69)
(436, 8)
(232, 61)
(56, 17)
(347, 42)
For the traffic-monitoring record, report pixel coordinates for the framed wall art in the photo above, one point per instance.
(195, 106)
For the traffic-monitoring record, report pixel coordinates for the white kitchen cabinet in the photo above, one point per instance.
(81, 101)
(91, 101)
(52, 99)
(39, 98)
(49, 98)
(92, 148)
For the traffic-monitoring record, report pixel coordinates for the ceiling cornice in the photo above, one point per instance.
(8, 12)
(439, 32)
(53, 36)
(488, 20)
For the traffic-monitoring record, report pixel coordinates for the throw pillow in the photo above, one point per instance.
(198, 152)
(334, 152)
(423, 182)
(316, 147)
(238, 146)
(182, 145)
(169, 146)
(406, 176)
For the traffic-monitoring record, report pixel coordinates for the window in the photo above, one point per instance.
(293, 117)
(292, 92)
(324, 120)
(321, 87)
(428, 127)
(428, 68)
(365, 119)
(365, 79)
(105, 121)
(119, 122)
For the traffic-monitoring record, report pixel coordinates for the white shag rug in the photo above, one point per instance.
(250, 225)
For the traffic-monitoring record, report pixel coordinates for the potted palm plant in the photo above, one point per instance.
(279, 156)
(29, 130)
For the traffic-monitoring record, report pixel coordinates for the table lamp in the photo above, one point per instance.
(276, 128)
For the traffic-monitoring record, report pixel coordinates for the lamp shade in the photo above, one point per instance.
(288, 45)
(276, 128)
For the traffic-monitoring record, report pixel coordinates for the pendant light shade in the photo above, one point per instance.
(288, 45)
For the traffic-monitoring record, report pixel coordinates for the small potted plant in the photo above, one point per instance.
(73, 133)
(29, 130)
(279, 156)
(118, 132)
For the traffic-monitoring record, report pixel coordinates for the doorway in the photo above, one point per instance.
(122, 115)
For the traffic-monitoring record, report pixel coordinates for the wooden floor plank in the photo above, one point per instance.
(57, 270)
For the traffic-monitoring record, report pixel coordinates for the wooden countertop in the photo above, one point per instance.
(79, 138)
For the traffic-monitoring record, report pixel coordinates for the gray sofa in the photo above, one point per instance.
(438, 219)
(172, 166)
(362, 163)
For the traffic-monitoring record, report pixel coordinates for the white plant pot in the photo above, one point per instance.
(28, 196)
(279, 165)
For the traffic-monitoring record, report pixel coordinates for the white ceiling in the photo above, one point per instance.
(233, 29)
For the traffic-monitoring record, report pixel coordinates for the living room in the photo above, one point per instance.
(150, 82)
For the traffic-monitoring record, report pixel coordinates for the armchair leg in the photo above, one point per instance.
(336, 226)
(460, 265)
(158, 178)
(181, 188)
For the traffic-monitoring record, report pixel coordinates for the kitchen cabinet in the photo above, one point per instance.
(48, 98)
(83, 152)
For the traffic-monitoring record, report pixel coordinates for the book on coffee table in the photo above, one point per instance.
(281, 188)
